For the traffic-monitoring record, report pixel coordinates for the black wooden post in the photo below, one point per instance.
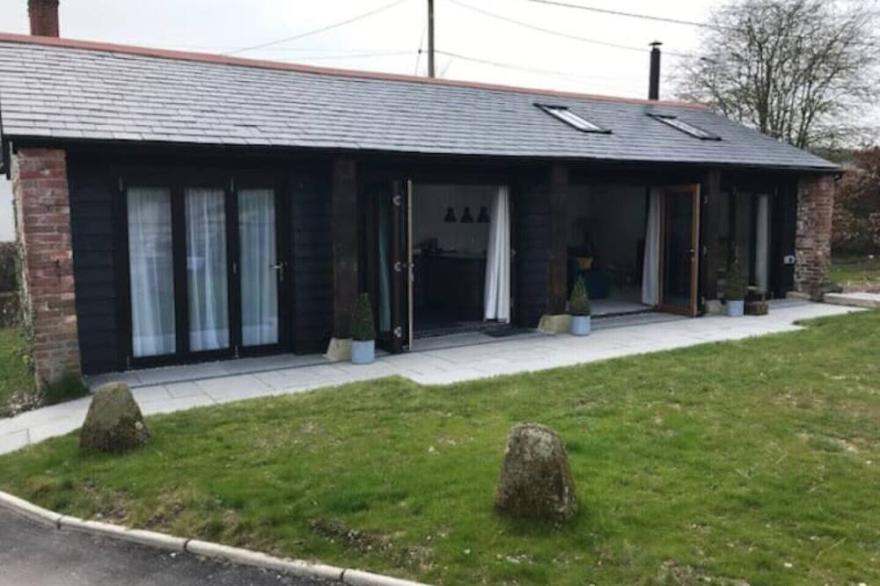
(557, 281)
(712, 217)
(344, 232)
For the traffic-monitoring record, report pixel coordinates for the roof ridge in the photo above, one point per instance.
(338, 72)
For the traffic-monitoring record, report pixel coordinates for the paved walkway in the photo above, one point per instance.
(861, 299)
(34, 554)
(174, 389)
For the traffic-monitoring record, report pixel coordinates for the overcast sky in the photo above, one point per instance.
(389, 40)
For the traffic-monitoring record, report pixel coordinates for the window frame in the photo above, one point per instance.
(578, 122)
(685, 127)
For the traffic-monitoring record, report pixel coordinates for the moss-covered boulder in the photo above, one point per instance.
(536, 481)
(114, 422)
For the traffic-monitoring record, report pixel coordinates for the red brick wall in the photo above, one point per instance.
(44, 17)
(813, 239)
(42, 210)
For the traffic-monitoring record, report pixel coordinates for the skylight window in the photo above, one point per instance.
(572, 119)
(686, 127)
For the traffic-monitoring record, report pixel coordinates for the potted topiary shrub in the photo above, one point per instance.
(363, 332)
(735, 291)
(579, 307)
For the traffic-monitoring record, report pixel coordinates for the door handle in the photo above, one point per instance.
(280, 270)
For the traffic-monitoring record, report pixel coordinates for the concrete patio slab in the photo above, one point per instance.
(165, 390)
(866, 300)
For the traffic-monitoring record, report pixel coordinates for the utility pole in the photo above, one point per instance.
(431, 38)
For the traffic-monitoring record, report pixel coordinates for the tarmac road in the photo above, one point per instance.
(36, 555)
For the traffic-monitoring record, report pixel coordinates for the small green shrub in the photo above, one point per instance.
(362, 327)
(70, 386)
(735, 286)
(579, 304)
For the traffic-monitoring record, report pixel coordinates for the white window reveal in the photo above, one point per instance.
(686, 127)
(572, 119)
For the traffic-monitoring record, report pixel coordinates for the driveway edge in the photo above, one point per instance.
(197, 547)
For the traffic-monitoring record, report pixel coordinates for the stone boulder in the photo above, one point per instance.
(114, 422)
(536, 481)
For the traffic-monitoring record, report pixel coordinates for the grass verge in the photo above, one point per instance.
(856, 272)
(16, 379)
(756, 460)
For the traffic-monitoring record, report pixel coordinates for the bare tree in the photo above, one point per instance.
(803, 71)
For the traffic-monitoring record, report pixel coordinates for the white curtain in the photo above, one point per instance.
(762, 243)
(651, 265)
(151, 269)
(206, 269)
(496, 303)
(259, 277)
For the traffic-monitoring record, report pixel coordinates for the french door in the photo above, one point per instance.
(679, 246)
(206, 271)
(389, 262)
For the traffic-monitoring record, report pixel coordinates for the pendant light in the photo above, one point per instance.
(483, 218)
(450, 216)
(466, 217)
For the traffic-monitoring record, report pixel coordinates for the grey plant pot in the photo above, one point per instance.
(581, 325)
(363, 352)
(736, 307)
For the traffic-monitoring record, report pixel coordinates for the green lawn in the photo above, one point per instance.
(15, 376)
(856, 271)
(755, 460)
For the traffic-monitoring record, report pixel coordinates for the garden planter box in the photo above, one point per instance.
(363, 352)
(581, 325)
(736, 308)
(757, 308)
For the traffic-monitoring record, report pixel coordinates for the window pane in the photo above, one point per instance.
(206, 269)
(151, 269)
(259, 275)
(570, 118)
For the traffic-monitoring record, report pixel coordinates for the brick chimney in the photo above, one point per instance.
(44, 17)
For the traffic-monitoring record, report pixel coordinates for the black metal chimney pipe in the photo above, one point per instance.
(654, 82)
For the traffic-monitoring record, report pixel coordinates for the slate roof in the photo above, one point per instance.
(76, 90)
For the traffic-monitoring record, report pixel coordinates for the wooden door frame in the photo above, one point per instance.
(693, 306)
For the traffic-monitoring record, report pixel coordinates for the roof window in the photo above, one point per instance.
(572, 119)
(686, 127)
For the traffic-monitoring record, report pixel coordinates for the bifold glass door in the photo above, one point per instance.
(205, 272)
(680, 233)
(260, 269)
(206, 269)
(151, 272)
(389, 262)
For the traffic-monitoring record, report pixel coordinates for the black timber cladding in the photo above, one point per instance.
(93, 222)
(312, 261)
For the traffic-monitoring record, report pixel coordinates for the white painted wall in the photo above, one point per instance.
(430, 203)
(7, 225)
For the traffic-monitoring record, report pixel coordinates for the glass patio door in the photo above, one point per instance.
(680, 233)
(206, 269)
(151, 272)
(390, 260)
(260, 269)
(206, 272)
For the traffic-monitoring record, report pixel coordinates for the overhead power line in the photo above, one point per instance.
(626, 14)
(516, 67)
(557, 33)
(367, 55)
(296, 37)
